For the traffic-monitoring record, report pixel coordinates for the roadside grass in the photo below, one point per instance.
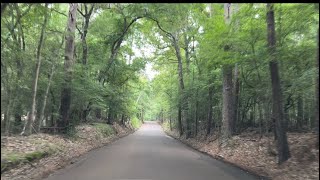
(12, 159)
(20, 152)
(136, 123)
(165, 125)
(104, 129)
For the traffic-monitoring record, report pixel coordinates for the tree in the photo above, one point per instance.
(317, 92)
(228, 103)
(277, 108)
(31, 117)
(86, 15)
(63, 121)
(197, 50)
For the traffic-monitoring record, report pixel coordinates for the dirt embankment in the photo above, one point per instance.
(259, 155)
(38, 155)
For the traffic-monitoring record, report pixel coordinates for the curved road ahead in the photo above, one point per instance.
(148, 154)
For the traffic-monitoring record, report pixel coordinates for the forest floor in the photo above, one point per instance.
(258, 155)
(38, 155)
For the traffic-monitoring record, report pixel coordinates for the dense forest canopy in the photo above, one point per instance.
(206, 68)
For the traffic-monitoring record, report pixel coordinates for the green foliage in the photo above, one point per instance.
(136, 123)
(35, 155)
(105, 129)
(112, 85)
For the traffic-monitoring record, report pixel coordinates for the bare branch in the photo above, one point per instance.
(80, 32)
(59, 12)
(158, 24)
(91, 9)
(81, 13)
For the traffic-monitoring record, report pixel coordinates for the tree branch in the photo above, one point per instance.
(59, 12)
(81, 13)
(158, 24)
(91, 9)
(123, 33)
(80, 32)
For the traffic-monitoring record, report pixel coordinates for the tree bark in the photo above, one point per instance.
(186, 98)
(86, 16)
(170, 126)
(277, 108)
(45, 100)
(197, 113)
(179, 120)
(227, 109)
(186, 49)
(299, 113)
(209, 125)
(86, 111)
(317, 93)
(98, 113)
(260, 119)
(110, 115)
(68, 63)
(6, 122)
(181, 83)
(236, 97)
(27, 128)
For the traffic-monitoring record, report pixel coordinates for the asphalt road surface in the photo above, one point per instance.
(148, 154)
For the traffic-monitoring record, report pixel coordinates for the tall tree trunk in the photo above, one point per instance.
(45, 100)
(17, 114)
(236, 81)
(209, 125)
(179, 120)
(86, 111)
(287, 113)
(19, 41)
(227, 109)
(27, 128)
(277, 108)
(6, 122)
(181, 83)
(110, 115)
(236, 97)
(317, 94)
(122, 119)
(197, 113)
(142, 116)
(186, 50)
(299, 113)
(170, 123)
(186, 98)
(68, 63)
(98, 113)
(260, 119)
(53, 102)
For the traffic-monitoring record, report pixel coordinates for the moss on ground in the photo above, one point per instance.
(12, 159)
(35, 155)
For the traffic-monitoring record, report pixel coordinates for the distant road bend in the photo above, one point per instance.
(148, 154)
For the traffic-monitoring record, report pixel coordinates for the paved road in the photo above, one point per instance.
(148, 154)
